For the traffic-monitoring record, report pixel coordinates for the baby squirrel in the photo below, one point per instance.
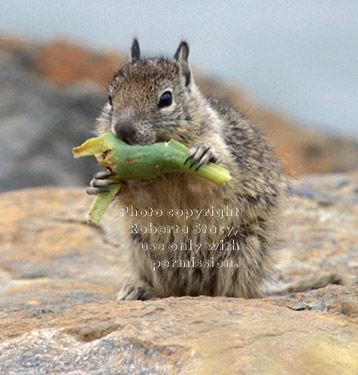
(155, 100)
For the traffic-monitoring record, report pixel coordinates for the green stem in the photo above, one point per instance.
(141, 162)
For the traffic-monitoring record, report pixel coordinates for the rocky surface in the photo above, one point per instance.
(59, 276)
(52, 93)
(320, 231)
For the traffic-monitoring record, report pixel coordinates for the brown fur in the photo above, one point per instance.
(255, 189)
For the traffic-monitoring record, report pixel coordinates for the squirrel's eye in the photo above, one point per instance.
(110, 100)
(165, 100)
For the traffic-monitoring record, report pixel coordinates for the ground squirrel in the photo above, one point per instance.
(154, 100)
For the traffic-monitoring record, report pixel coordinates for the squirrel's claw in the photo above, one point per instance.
(191, 153)
(208, 156)
(95, 190)
(102, 175)
(201, 153)
(100, 182)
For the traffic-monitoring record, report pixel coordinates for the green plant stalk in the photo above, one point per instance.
(101, 203)
(136, 162)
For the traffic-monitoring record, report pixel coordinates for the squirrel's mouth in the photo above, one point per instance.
(125, 140)
(162, 138)
(128, 140)
(132, 141)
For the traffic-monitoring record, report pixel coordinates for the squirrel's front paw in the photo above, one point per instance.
(201, 154)
(100, 183)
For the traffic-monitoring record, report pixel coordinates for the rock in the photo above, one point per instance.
(183, 336)
(59, 276)
(322, 231)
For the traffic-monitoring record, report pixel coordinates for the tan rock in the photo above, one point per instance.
(58, 278)
(184, 336)
(320, 233)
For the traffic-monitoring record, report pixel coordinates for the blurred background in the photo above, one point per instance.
(290, 66)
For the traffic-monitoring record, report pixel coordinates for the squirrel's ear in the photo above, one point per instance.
(135, 51)
(182, 53)
(181, 56)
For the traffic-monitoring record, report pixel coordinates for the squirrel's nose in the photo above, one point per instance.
(123, 125)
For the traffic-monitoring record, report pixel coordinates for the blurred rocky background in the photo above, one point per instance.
(51, 94)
